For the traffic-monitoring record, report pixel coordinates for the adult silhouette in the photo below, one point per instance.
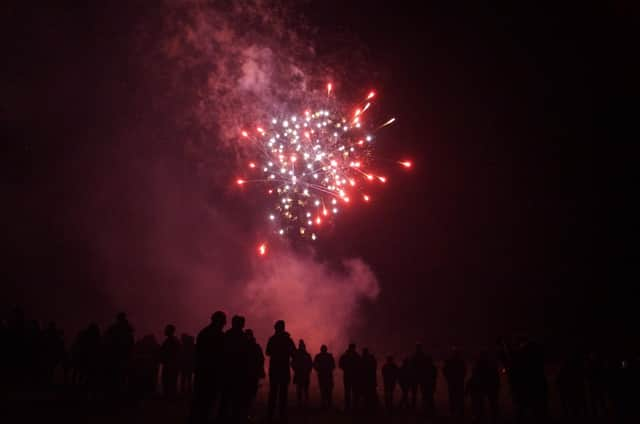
(52, 351)
(255, 370)
(455, 371)
(235, 371)
(406, 380)
(489, 374)
(424, 379)
(118, 346)
(350, 365)
(280, 349)
(187, 362)
(302, 366)
(208, 369)
(390, 372)
(324, 364)
(146, 359)
(369, 379)
(596, 378)
(474, 389)
(169, 358)
(572, 387)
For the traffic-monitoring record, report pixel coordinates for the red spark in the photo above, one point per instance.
(262, 249)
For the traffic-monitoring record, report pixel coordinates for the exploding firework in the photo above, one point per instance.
(312, 164)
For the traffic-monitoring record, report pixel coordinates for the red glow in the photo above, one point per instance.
(369, 177)
(360, 142)
(371, 94)
(329, 87)
(365, 197)
(406, 164)
(252, 165)
(245, 134)
(262, 249)
(318, 220)
(240, 181)
(260, 130)
(382, 179)
(325, 212)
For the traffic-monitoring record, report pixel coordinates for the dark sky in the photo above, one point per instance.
(496, 230)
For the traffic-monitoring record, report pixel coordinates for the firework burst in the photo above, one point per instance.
(313, 164)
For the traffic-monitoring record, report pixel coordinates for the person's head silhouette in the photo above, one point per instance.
(352, 347)
(323, 348)
(279, 326)
(237, 322)
(169, 330)
(219, 319)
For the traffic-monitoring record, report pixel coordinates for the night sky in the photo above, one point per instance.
(117, 198)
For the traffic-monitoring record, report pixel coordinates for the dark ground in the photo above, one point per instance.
(64, 405)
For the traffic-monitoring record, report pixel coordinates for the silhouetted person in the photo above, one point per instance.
(390, 373)
(350, 365)
(406, 380)
(280, 349)
(16, 345)
(369, 379)
(484, 384)
(32, 353)
(535, 381)
(118, 345)
(302, 365)
(455, 372)
(596, 379)
(571, 386)
(255, 371)
(187, 362)
(235, 372)
(474, 389)
(489, 375)
(52, 351)
(169, 358)
(324, 364)
(424, 380)
(208, 370)
(622, 387)
(94, 350)
(146, 353)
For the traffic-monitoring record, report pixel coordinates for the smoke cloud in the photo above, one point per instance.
(191, 248)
